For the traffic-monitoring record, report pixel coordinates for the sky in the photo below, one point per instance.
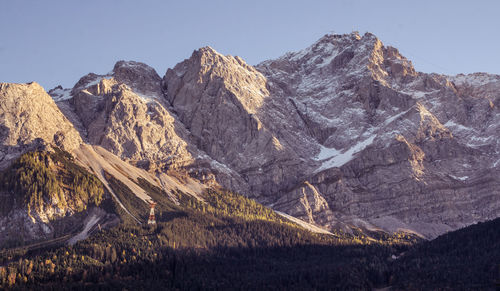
(57, 42)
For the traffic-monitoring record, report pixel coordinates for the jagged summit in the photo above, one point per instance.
(349, 54)
(137, 67)
(206, 65)
(326, 45)
(138, 76)
(207, 56)
(206, 50)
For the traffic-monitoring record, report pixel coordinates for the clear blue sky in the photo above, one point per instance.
(57, 42)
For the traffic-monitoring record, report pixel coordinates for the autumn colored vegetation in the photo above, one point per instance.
(229, 242)
(40, 179)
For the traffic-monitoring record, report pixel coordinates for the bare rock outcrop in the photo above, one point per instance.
(221, 100)
(123, 112)
(28, 119)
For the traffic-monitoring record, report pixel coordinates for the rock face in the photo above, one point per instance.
(221, 101)
(29, 118)
(342, 134)
(347, 132)
(123, 113)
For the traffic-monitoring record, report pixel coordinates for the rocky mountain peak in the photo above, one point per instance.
(204, 57)
(210, 71)
(206, 50)
(207, 57)
(86, 81)
(122, 67)
(139, 76)
(28, 114)
(348, 54)
(222, 101)
(123, 112)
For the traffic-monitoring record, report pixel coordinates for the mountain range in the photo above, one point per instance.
(343, 138)
(335, 167)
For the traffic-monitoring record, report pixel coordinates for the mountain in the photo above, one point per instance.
(344, 134)
(345, 155)
(29, 117)
(395, 148)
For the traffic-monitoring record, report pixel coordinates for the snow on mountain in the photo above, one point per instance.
(344, 133)
(378, 120)
(60, 94)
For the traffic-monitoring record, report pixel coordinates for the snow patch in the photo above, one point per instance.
(418, 94)
(220, 166)
(391, 119)
(457, 126)
(326, 153)
(476, 141)
(95, 82)
(146, 98)
(476, 79)
(329, 48)
(341, 159)
(470, 134)
(460, 178)
(60, 94)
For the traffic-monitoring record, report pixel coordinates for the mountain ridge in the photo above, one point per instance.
(342, 134)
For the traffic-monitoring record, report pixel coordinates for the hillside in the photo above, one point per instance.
(41, 191)
(465, 259)
(228, 242)
(242, 245)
